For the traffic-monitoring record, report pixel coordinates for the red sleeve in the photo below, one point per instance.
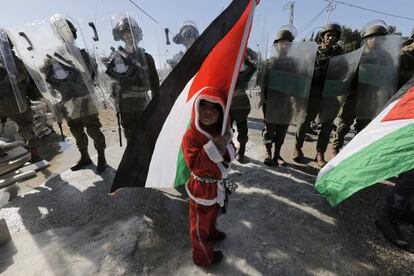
(201, 159)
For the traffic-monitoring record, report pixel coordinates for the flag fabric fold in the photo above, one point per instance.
(154, 158)
(385, 148)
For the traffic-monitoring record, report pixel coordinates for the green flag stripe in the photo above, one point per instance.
(183, 173)
(385, 158)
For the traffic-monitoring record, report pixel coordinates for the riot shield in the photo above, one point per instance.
(12, 99)
(126, 71)
(288, 81)
(341, 72)
(378, 74)
(57, 66)
(179, 36)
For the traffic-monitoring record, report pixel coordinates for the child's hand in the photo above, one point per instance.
(221, 143)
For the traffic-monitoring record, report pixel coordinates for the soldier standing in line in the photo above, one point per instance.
(375, 82)
(240, 106)
(328, 48)
(133, 71)
(78, 108)
(15, 86)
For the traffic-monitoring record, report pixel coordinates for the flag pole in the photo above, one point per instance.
(243, 46)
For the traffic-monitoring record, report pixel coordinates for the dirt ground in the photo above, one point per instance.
(62, 155)
(277, 224)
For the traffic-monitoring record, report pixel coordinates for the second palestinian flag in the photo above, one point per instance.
(385, 148)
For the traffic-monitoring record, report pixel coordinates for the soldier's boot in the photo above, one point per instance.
(84, 161)
(101, 167)
(241, 152)
(320, 159)
(3, 153)
(408, 216)
(34, 155)
(391, 230)
(268, 156)
(277, 159)
(297, 155)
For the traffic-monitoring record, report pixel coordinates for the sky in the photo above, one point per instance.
(269, 16)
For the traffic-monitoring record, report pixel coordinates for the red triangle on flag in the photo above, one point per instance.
(404, 109)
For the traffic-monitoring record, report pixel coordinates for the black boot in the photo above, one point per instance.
(219, 236)
(84, 161)
(297, 155)
(408, 216)
(101, 161)
(277, 159)
(217, 257)
(391, 230)
(241, 152)
(268, 156)
(320, 159)
(34, 155)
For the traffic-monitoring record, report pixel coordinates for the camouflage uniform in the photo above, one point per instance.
(276, 133)
(131, 89)
(321, 66)
(79, 110)
(240, 106)
(406, 65)
(8, 104)
(348, 113)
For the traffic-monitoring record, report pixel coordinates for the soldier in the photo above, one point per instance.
(15, 105)
(240, 106)
(328, 48)
(276, 132)
(370, 91)
(133, 71)
(77, 105)
(407, 63)
(186, 37)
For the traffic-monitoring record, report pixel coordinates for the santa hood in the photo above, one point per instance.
(211, 94)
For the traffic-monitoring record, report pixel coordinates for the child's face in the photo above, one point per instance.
(209, 115)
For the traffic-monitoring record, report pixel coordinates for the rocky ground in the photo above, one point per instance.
(277, 224)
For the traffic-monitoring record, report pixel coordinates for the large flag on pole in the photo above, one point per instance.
(153, 158)
(385, 148)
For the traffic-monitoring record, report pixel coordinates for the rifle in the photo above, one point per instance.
(118, 118)
(3, 121)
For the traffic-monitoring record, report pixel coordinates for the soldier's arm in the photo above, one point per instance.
(154, 81)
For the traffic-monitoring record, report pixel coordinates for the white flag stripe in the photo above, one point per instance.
(372, 133)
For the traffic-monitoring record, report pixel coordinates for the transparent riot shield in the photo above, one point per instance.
(57, 66)
(126, 71)
(341, 72)
(288, 81)
(12, 74)
(173, 41)
(378, 74)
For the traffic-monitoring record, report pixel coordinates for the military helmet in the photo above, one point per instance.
(287, 32)
(284, 34)
(332, 27)
(60, 22)
(123, 24)
(188, 31)
(374, 28)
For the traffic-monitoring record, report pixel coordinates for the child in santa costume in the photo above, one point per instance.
(207, 154)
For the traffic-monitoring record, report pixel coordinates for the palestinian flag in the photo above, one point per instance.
(385, 148)
(154, 158)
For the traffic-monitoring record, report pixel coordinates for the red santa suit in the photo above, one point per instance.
(206, 192)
